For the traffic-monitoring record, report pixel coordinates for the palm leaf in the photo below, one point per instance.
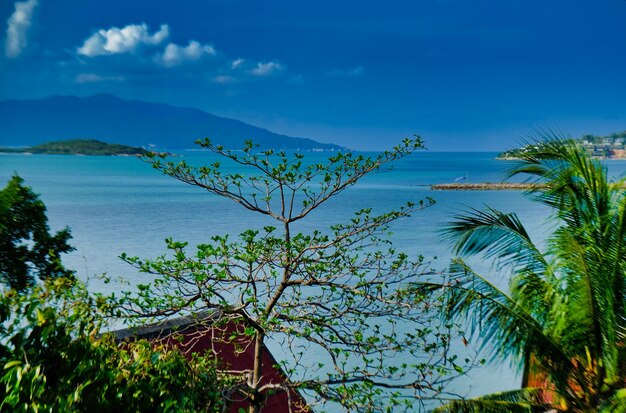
(590, 245)
(591, 320)
(503, 237)
(497, 235)
(506, 329)
(566, 309)
(528, 400)
(575, 186)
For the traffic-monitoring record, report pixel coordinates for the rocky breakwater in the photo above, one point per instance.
(500, 186)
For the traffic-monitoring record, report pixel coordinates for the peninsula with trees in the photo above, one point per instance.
(612, 146)
(79, 147)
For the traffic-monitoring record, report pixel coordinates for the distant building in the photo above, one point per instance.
(199, 334)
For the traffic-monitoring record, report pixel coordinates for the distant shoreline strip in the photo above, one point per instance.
(485, 187)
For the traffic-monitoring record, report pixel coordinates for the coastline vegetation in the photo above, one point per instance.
(79, 147)
(612, 146)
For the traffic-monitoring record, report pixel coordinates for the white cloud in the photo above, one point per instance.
(17, 28)
(124, 40)
(237, 63)
(174, 54)
(96, 78)
(357, 71)
(266, 69)
(147, 47)
(242, 70)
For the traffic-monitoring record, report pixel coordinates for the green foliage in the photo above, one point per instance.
(54, 360)
(335, 293)
(564, 318)
(616, 403)
(27, 249)
(516, 401)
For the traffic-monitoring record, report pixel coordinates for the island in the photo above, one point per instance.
(79, 147)
(599, 147)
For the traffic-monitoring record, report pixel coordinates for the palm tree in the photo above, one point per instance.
(563, 320)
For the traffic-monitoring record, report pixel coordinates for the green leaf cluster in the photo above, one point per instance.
(27, 249)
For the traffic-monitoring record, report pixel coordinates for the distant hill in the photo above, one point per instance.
(130, 122)
(79, 147)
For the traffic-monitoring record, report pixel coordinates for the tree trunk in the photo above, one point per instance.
(256, 403)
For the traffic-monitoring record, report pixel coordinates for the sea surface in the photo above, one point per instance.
(120, 204)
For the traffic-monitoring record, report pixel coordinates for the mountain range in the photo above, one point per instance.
(131, 122)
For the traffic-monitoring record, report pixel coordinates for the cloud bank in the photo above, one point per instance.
(173, 55)
(237, 63)
(17, 28)
(266, 69)
(134, 48)
(96, 78)
(124, 40)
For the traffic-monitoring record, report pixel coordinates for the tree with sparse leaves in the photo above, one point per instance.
(27, 249)
(333, 300)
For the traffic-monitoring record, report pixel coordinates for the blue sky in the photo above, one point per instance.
(466, 75)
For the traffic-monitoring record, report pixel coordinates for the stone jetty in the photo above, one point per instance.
(501, 186)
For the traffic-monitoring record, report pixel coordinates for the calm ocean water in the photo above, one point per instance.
(119, 204)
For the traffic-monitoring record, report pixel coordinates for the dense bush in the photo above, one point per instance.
(55, 360)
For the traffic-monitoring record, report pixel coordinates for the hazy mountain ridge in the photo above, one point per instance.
(130, 122)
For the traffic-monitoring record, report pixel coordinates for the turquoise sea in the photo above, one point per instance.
(120, 204)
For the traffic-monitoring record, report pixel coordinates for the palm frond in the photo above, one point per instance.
(528, 400)
(592, 323)
(566, 310)
(589, 245)
(615, 264)
(538, 294)
(502, 236)
(575, 186)
(498, 235)
(489, 406)
(506, 329)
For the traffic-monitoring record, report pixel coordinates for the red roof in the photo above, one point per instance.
(232, 348)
